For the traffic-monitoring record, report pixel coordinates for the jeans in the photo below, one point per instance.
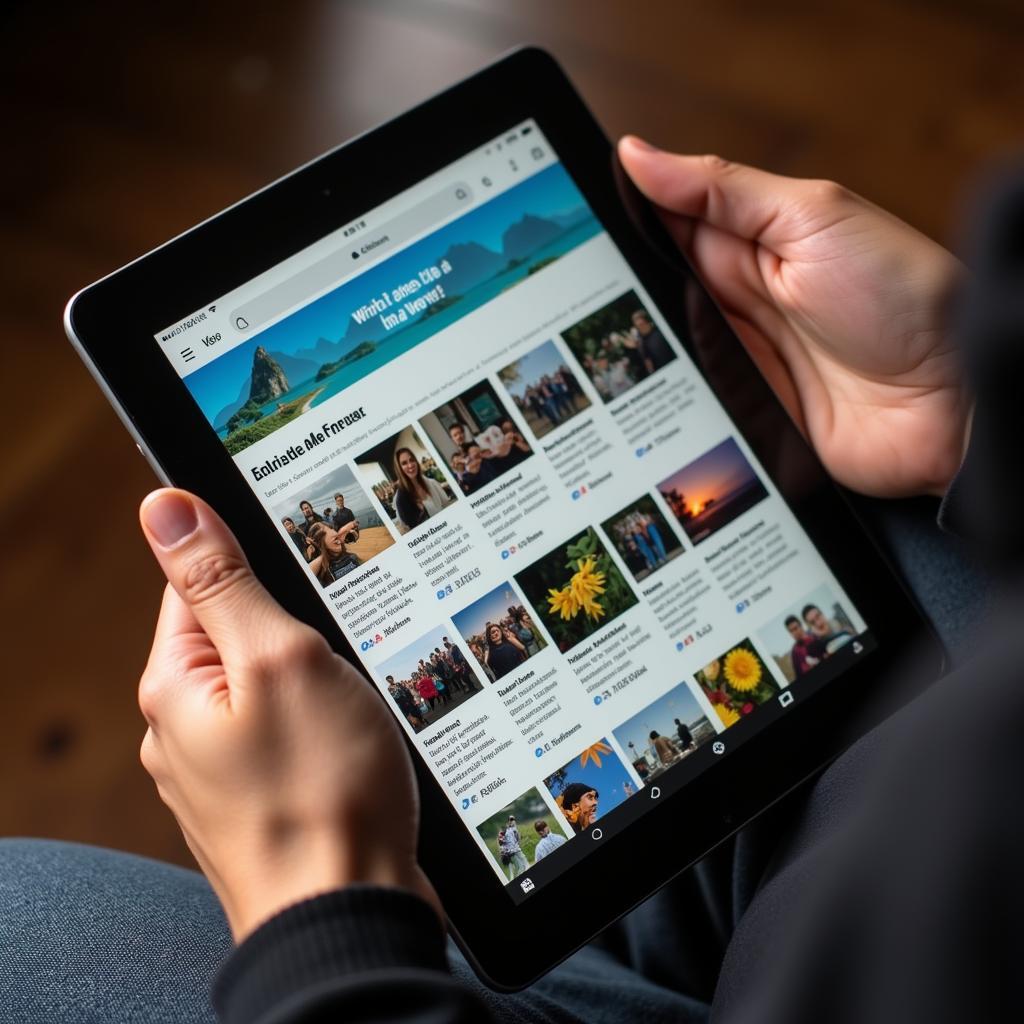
(90, 935)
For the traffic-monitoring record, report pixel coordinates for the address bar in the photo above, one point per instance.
(333, 269)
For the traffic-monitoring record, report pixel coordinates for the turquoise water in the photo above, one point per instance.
(393, 345)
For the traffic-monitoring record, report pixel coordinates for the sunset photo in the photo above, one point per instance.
(712, 491)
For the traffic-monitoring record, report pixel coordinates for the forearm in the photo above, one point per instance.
(357, 955)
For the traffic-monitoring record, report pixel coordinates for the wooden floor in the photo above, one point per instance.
(126, 123)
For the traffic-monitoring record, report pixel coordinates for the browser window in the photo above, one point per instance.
(558, 560)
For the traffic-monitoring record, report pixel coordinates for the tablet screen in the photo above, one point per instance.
(554, 552)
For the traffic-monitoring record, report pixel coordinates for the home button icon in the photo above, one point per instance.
(595, 834)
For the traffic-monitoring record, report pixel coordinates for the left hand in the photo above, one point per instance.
(285, 771)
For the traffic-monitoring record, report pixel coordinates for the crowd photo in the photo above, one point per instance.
(499, 632)
(642, 537)
(591, 784)
(664, 733)
(713, 490)
(737, 682)
(333, 525)
(428, 679)
(576, 589)
(808, 633)
(476, 436)
(544, 389)
(405, 479)
(522, 834)
(619, 345)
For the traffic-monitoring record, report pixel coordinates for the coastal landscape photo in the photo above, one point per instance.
(316, 352)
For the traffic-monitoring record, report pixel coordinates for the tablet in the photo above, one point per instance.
(468, 419)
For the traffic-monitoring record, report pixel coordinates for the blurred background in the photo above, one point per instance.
(127, 123)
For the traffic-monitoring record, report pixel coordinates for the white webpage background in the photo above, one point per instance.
(475, 347)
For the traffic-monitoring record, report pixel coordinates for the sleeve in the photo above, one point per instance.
(360, 955)
(983, 503)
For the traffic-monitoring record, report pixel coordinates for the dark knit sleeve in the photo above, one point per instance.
(357, 955)
(983, 505)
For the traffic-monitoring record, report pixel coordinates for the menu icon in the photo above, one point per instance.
(187, 355)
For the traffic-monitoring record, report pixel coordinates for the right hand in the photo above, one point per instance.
(842, 306)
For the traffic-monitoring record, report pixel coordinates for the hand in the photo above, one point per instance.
(287, 774)
(841, 305)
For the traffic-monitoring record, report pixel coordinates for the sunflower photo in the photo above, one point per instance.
(736, 682)
(594, 782)
(576, 589)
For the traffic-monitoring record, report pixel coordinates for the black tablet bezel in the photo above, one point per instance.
(113, 324)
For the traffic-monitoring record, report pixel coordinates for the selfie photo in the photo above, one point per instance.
(499, 632)
(576, 588)
(593, 783)
(333, 525)
(664, 733)
(405, 479)
(428, 679)
(619, 345)
(808, 633)
(522, 834)
(736, 682)
(476, 436)
(544, 389)
(712, 491)
(642, 537)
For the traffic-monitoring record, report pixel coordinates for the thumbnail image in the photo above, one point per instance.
(736, 682)
(476, 437)
(642, 537)
(499, 632)
(333, 525)
(592, 783)
(807, 633)
(576, 589)
(428, 679)
(712, 491)
(544, 389)
(664, 733)
(405, 479)
(522, 833)
(619, 345)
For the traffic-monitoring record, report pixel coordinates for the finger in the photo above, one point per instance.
(743, 201)
(206, 567)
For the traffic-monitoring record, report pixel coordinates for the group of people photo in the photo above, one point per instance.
(405, 479)
(428, 679)
(642, 537)
(499, 632)
(521, 834)
(619, 345)
(544, 389)
(333, 526)
(810, 633)
(664, 733)
(476, 436)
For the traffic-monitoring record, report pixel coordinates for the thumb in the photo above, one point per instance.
(205, 565)
(740, 200)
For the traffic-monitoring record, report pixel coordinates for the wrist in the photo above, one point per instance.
(280, 878)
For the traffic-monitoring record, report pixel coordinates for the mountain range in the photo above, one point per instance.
(472, 264)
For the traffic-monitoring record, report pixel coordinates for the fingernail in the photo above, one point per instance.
(170, 517)
(635, 140)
